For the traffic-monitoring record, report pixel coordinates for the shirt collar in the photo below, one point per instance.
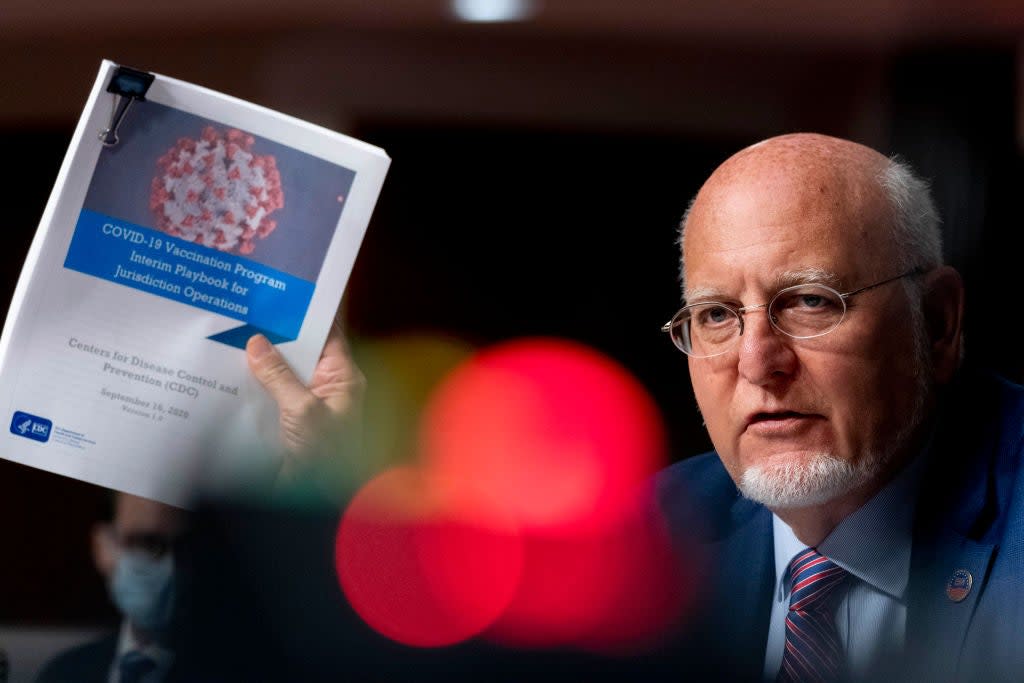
(873, 543)
(126, 642)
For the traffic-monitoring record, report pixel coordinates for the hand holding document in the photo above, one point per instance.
(183, 223)
(311, 416)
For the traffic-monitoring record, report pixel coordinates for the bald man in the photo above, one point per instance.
(861, 507)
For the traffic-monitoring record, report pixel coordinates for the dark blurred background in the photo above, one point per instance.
(540, 167)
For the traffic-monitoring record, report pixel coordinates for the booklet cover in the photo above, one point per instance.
(182, 222)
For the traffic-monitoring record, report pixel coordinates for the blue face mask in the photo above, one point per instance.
(143, 589)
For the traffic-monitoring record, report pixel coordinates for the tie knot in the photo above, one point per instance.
(814, 579)
(134, 666)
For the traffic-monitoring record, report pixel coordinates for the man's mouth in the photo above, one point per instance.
(782, 415)
(778, 421)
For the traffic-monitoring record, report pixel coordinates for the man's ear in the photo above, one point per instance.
(104, 548)
(944, 312)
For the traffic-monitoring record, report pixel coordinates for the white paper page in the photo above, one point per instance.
(211, 217)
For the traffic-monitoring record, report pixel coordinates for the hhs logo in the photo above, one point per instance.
(31, 427)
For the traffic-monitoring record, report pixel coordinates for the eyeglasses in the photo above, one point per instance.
(711, 328)
(151, 544)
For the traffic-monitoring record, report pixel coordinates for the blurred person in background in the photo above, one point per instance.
(863, 502)
(138, 551)
(135, 554)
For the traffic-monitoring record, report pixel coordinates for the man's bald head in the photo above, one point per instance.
(835, 165)
(807, 170)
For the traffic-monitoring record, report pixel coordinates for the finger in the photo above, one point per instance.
(335, 364)
(273, 372)
(336, 378)
(335, 356)
(337, 343)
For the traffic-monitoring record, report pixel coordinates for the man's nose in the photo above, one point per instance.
(765, 354)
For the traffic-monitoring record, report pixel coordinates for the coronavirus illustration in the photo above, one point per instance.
(214, 191)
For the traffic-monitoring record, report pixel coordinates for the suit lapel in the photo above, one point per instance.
(959, 523)
(936, 623)
(745, 578)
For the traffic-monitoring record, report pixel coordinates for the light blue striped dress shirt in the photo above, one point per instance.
(873, 544)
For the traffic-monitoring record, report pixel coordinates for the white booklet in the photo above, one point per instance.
(182, 222)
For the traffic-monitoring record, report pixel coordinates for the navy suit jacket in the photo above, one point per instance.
(970, 515)
(90, 663)
(87, 663)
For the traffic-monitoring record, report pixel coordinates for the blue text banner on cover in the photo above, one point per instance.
(154, 262)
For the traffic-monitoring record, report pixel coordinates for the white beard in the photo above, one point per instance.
(803, 484)
(825, 477)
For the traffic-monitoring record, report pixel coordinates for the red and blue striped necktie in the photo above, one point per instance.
(813, 651)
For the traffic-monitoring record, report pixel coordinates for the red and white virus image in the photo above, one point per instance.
(214, 191)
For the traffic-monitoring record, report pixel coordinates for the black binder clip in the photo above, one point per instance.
(127, 85)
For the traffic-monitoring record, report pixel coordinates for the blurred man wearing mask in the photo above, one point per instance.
(135, 551)
(135, 554)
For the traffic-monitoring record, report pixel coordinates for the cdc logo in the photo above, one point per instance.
(31, 426)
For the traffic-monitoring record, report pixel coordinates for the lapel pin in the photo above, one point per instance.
(959, 585)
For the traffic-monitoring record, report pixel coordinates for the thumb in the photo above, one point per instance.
(273, 372)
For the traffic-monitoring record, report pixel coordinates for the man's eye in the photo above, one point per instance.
(806, 302)
(155, 545)
(714, 315)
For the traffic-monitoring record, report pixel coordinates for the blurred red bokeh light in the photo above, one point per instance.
(555, 432)
(530, 518)
(424, 570)
(618, 590)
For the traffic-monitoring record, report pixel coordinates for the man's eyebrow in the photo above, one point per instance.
(804, 276)
(705, 294)
(788, 278)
